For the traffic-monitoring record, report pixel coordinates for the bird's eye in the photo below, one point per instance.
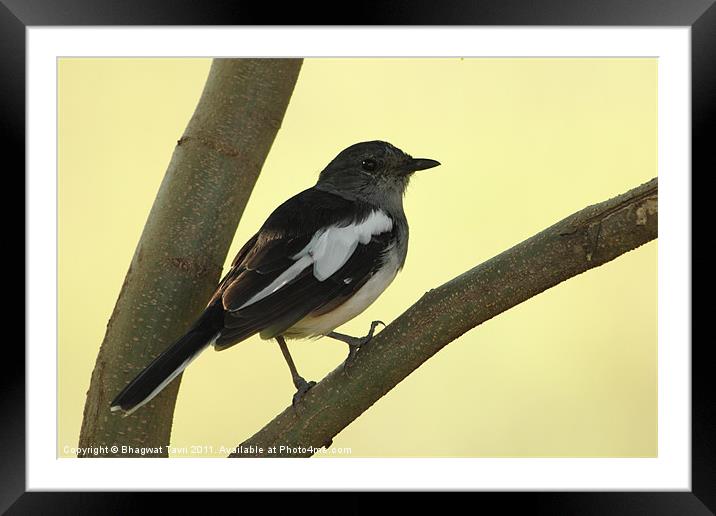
(369, 165)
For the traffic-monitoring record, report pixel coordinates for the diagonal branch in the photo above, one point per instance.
(587, 239)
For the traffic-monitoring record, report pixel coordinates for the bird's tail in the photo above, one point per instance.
(167, 366)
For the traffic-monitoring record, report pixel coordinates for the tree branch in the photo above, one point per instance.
(179, 258)
(582, 241)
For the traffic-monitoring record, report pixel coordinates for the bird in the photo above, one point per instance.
(320, 259)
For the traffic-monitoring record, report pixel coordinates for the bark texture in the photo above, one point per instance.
(179, 258)
(582, 241)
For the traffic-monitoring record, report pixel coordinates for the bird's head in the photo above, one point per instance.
(372, 171)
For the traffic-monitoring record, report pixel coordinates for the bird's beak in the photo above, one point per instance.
(420, 164)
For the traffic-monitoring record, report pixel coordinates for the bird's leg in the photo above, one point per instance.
(354, 343)
(302, 386)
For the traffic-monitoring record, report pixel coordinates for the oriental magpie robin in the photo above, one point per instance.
(319, 260)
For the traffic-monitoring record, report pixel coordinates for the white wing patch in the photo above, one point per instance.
(328, 251)
(315, 326)
(286, 276)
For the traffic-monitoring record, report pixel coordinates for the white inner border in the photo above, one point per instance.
(671, 470)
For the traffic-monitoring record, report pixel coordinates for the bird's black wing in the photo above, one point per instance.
(273, 251)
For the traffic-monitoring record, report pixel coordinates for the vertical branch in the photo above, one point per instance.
(179, 258)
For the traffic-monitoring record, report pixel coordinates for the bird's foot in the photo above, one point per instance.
(357, 343)
(302, 387)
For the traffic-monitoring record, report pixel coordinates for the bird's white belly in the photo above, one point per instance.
(313, 326)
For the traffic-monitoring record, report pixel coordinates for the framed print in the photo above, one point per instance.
(591, 395)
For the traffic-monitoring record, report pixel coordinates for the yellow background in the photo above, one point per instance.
(523, 143)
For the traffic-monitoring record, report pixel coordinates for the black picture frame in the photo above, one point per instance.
(700, 15)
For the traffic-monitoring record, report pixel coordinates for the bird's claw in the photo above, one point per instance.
(358, 344)
(302, 387)
(373, 326)
(352, 353)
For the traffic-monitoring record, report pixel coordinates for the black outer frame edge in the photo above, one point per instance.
(395, 12)
(12, 140)
(700, 14)
(703, 126)
(532, 503)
